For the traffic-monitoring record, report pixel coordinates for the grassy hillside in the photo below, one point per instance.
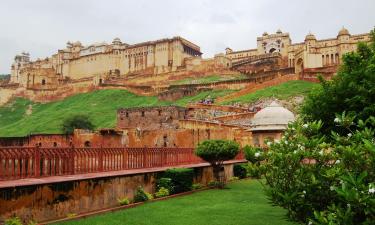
(282, 91)
(22, 117)
(101, 106)
(210, 79)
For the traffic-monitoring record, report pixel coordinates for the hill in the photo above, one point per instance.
(22, 117)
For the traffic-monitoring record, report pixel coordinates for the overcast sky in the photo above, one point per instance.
(40, 27)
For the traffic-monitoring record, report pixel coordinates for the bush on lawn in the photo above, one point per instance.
(239, 170)
(196, 186)
(141, 195)
(123, 201)
(182, 179)
(216, 152)
(13, 221)
(162, 192)
(165, 182)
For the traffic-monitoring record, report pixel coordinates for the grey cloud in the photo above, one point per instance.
(41, 26)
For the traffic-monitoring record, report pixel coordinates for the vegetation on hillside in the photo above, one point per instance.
(22, 117)
(210, 79)
(282, 91)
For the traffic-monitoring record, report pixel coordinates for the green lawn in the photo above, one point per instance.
(282, 91)
(242, 203)
(100, 105)
(210, 79)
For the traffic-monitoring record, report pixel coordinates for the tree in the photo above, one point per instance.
(216, 152)
(351, 90)
(76, 122)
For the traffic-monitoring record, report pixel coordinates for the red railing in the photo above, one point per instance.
(27, 162)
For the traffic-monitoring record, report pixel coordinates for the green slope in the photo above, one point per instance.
(281, 91)
(100, 105)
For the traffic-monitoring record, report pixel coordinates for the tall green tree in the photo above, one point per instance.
(352, 90)
(76, 122)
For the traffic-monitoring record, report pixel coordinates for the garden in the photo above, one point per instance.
(321, 172)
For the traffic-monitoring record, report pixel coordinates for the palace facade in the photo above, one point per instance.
(310, 54)
(80, 62)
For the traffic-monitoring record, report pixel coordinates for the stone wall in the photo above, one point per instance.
(150, 118)
(49, 201)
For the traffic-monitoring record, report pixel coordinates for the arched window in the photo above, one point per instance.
(43, 82)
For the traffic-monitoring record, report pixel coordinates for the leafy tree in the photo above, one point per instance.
(76, 122)
(351, 90)
(216, 152)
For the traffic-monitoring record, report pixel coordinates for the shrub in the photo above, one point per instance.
(76, 122)
(253, 170)
(123, 201)
(216, 152)
(165, 182)
(196, 186)
(182, 179)
(162, 192)
(253, 154)
(71, 215)
(234, 178)
(13, 221)
(213, 183)
(324, 182)
(239, 170)
(141, 195)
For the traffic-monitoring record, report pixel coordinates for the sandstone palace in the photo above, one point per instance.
(77, 61)
(77, 68)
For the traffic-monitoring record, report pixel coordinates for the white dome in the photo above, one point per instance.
(272, 117)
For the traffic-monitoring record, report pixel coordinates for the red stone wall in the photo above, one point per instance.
(43, 202)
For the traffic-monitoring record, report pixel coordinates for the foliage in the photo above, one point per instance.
(234, 178)
(210, 79)
(123, 201)
(213, 183)
(165, 182)
(141, 195)
(216, 152)
(71, 215)
(13, 221)
(254, 170)
(239, 170)
(253, 154)
(76, 122)
(243, 203)
(162, 192)
(282, 91)
(196, 186)
(324, 182)
(351, 90)
(101, 105)
(182, 179)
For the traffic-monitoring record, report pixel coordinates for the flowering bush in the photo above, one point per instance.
(324, 179)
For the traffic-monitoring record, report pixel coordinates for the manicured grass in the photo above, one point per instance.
(210, 79)
(282, 91)
(101, 106)
(243, 203)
